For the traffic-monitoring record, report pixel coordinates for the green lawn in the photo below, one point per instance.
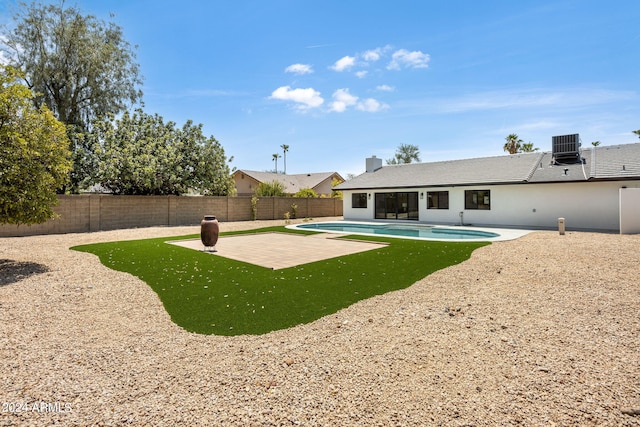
(215, 295)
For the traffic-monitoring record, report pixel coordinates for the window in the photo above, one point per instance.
(359, 200)
(477, 199)
(397, 206)
(438, 200)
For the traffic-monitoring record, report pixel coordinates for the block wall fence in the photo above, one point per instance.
(96, 212)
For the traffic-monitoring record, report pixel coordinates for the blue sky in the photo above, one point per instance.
(339, 81)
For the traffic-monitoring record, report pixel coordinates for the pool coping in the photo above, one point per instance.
(504, 234)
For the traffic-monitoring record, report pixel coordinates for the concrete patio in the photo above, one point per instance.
(281, 250)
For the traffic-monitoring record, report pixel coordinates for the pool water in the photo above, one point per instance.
(401, 230)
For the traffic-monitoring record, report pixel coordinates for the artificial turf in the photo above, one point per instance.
(216, 295)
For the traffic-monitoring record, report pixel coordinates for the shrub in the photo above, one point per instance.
(306, 192)
(336, 194)
(270, 189)
(254, 208)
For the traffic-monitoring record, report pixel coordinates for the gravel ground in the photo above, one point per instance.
(543, 330)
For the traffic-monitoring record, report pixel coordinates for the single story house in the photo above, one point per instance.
(322, 183)
(595, 188)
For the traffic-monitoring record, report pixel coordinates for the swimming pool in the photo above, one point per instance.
(414, 231)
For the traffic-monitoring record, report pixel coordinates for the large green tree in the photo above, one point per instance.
(141, 154)
(80, 67)
(405, 153)
(34, 154)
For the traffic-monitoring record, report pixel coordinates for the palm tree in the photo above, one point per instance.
(528, 148)
(513, 144)
(595, 143)
(285, 148)
(637, 132)
(275, 159)
(405, 153)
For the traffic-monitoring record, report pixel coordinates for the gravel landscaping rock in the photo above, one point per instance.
(543, 330)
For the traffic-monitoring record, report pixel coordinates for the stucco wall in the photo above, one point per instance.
(630, 210)
(585, 205)
(84, 213)
(245, 185)
(325, 187)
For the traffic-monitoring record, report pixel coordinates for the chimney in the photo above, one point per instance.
(373, 164)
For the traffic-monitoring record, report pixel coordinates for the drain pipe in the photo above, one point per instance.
(461, 218)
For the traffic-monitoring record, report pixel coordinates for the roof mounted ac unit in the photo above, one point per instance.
(566, 148)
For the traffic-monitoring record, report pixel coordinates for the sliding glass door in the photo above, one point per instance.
(397, 205)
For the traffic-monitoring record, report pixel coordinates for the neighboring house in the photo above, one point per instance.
(596, 188)
(247, 181)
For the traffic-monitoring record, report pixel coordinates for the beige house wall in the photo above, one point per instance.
(245, 185)
(95, 212)
(325, 186)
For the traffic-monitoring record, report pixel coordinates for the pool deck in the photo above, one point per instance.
(503, 233)
(284, 250)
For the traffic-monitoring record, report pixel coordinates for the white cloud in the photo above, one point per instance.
(404, 59)
(385, 88)
(374, 55)
(371, 105)
(371, 55)
(344, 63)
(400, 59)
(304, 98)
(342, 100)
(299, 69)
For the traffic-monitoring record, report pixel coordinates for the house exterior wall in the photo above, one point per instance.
(629, 210)
(324, 187)
(245, 185)
(584, 205)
